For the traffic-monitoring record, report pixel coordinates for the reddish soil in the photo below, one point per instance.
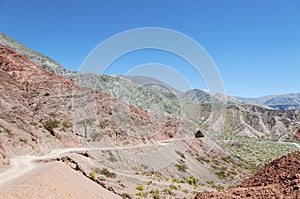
(279, 179)
(297, 134)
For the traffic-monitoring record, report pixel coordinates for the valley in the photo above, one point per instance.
(102, 136)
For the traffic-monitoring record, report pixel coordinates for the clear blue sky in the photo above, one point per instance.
(255, 44)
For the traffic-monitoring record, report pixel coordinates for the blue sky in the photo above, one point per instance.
(255, 44)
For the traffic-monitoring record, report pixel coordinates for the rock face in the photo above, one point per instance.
(279, 179)
(28, 98)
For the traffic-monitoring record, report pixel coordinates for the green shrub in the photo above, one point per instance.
(140, 194)
(210, 182)
(194, 192)
(219, 187)
(180, 154)
(168, 191)
(155, 194)
(102, 178)
(51, 124)
(67, 125)
(107, 173)
(181, 167)
(221, 175)
(171, 186)
(202, 159)
(191, 180)
(140, 187)
(175, 180)
(92, 175)
(185, 191)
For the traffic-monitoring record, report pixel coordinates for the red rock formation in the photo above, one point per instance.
(279, 179)
(297, 134)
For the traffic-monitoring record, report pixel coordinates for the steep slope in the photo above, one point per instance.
(40, 110)
(35, 57)
(128, 91)
(279, 179)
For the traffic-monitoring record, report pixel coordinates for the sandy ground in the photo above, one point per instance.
(53, 180)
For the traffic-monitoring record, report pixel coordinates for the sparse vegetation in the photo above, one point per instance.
(102, 177)
(251, 154)
(221, 175)
(101, 124)
(173, 187)
(49, 125)
(5, 130)
(219, 187)
(181, 167)
(108, 173)
(140, 187)
(191, 180)
(210, 182)
(202, 159)
(112, 159)
(175, 180)
(96, 136)
(92, 175)
(155, 194)
(67, 124)
(180, 154)
(168, 191)
(140, 194)
(85, 123)
(185, 191)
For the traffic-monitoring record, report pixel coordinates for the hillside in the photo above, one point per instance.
(151, 144)
(279, 179)
(46, 111)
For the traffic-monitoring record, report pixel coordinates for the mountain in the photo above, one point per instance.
(49, 121)
(35, 57)
(280, 102)
(246, 120)
(278, 179)
(147, 97)
(151, 82)
(240, 119)
(42, 112)
(197, 96)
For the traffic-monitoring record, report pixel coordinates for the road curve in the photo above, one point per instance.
(23, 164)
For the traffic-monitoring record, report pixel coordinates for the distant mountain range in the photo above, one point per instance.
(280, 102)
(252, 117)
